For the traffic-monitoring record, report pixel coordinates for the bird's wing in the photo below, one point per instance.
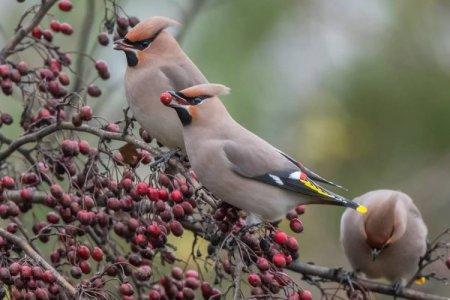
(311, 174)
(182, 74)
(269, 166)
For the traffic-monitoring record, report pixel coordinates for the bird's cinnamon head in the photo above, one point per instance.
(186, 102)
(385, 224)
(140, 38)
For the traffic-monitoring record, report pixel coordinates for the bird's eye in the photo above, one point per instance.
(145, 44)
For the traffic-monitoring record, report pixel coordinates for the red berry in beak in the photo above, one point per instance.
(165, 98)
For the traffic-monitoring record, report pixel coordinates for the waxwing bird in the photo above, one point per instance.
(238, 166)
(156, 63)
(389, 240)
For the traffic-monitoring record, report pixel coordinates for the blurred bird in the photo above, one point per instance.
(238, 166)
(156, 63)
(389, 240)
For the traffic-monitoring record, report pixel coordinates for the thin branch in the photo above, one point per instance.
(188, 17)
(23, 31)
(38, 259)
(82, 47)
(337, 275)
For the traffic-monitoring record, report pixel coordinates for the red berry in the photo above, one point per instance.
(48, 276)
(36, 32)
(165, 98)
(176, 228)
(263, 264)
(64, 78)
(176, 196)
(178, 211)
(70, 148)
(48, 35)
(26, 271)
(94, 91)
(305, 295)
(154, 230)
(254, 279)
(163, 194)
(279, 260)
(22, 66)
(5, 71)
(84, 147)
(300, 209)
(112, 127)
(280, 237)
(122, 22)
(85, 267)
(103, 39)
(292, 244)
(113, 203)
(52, 217)
(83, 252)
(296, 225)
(133, 21)
(86, 113)
(447, 263)
(140, 239)
(26, 194)
(66, 28)
(97, 254)
(141, 188)
(7, 182)
(126, 289)
(14, 268)
(144, 273)
(55, 26)
(65, 5)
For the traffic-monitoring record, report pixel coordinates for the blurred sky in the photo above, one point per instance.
(357, 90)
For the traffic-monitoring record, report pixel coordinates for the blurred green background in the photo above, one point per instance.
(357, 90)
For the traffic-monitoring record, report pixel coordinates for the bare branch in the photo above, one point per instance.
(38, 259)
(22, 32)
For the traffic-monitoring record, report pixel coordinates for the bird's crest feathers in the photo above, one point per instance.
(206, 89)
(149, 28)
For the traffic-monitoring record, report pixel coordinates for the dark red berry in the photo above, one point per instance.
(254, 279)
(103, 39)
(97, 254)
(94, 91)
(65, 5)
(55, 26)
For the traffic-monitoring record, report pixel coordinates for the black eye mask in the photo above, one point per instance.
(193, 100)
(140, 45)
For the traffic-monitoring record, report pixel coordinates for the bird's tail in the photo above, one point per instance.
(341, 201)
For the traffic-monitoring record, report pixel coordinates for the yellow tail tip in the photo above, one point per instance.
(420, 281)
(361, 209)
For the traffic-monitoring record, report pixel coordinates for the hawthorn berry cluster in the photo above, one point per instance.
(110, 214)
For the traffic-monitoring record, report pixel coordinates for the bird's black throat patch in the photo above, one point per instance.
(132, 59)
(184, 116)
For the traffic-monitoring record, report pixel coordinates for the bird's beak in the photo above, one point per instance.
(122, 46)
(178, 98)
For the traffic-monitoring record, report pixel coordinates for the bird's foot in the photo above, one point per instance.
(397, 287)
(165, 157)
